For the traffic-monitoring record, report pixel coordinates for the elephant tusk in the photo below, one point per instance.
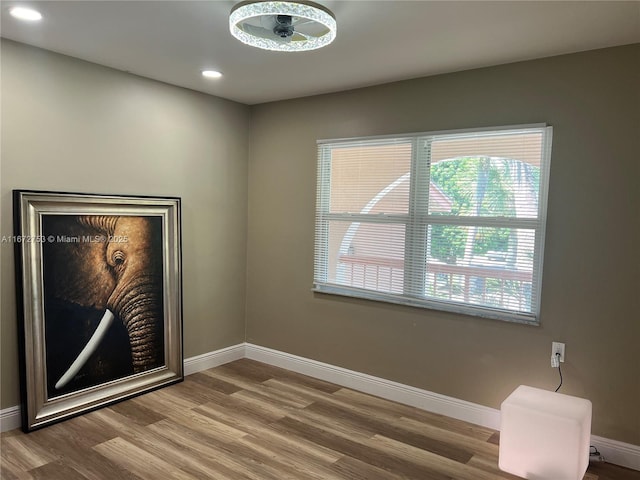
(88, 350)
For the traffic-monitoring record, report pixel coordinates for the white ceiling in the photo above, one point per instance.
(377, 42)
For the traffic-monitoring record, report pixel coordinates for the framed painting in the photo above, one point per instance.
(99, 293)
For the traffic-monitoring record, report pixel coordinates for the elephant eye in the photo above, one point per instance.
(118, 257)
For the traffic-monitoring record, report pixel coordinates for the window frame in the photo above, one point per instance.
(418, 217)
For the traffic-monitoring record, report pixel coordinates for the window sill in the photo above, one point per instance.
(440, 305)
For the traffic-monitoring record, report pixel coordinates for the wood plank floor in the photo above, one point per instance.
(247, 420)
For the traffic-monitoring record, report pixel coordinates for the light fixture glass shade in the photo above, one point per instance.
(305, 25)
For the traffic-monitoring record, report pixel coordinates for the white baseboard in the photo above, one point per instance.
(398, 392)
(10, 417)
(213, 359)
(619, 453)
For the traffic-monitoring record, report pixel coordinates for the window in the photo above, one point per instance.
(447, 220)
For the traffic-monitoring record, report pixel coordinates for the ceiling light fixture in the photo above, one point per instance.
(211, 74)
(283, 26)
(23, 13)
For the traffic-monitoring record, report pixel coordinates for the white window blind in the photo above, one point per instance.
(445, 220)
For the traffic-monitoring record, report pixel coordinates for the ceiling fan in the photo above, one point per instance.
(282, 26)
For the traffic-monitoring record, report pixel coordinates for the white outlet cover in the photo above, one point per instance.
(558, 347)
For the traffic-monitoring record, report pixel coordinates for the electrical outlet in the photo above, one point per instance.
(557, 347)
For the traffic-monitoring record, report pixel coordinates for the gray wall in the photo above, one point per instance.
(69, 125)
(73, 126)
(590, 286)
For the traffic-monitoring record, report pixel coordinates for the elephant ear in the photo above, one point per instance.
(75, 267)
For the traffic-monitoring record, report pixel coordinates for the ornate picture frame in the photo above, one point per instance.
(99, 294)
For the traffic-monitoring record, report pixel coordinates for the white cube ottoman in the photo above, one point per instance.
(544, 435)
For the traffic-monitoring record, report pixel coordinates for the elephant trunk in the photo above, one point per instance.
(138, 304)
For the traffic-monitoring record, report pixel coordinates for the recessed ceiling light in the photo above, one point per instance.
(211, 74)
(23, 13)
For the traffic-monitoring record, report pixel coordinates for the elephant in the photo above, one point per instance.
(103, 295)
